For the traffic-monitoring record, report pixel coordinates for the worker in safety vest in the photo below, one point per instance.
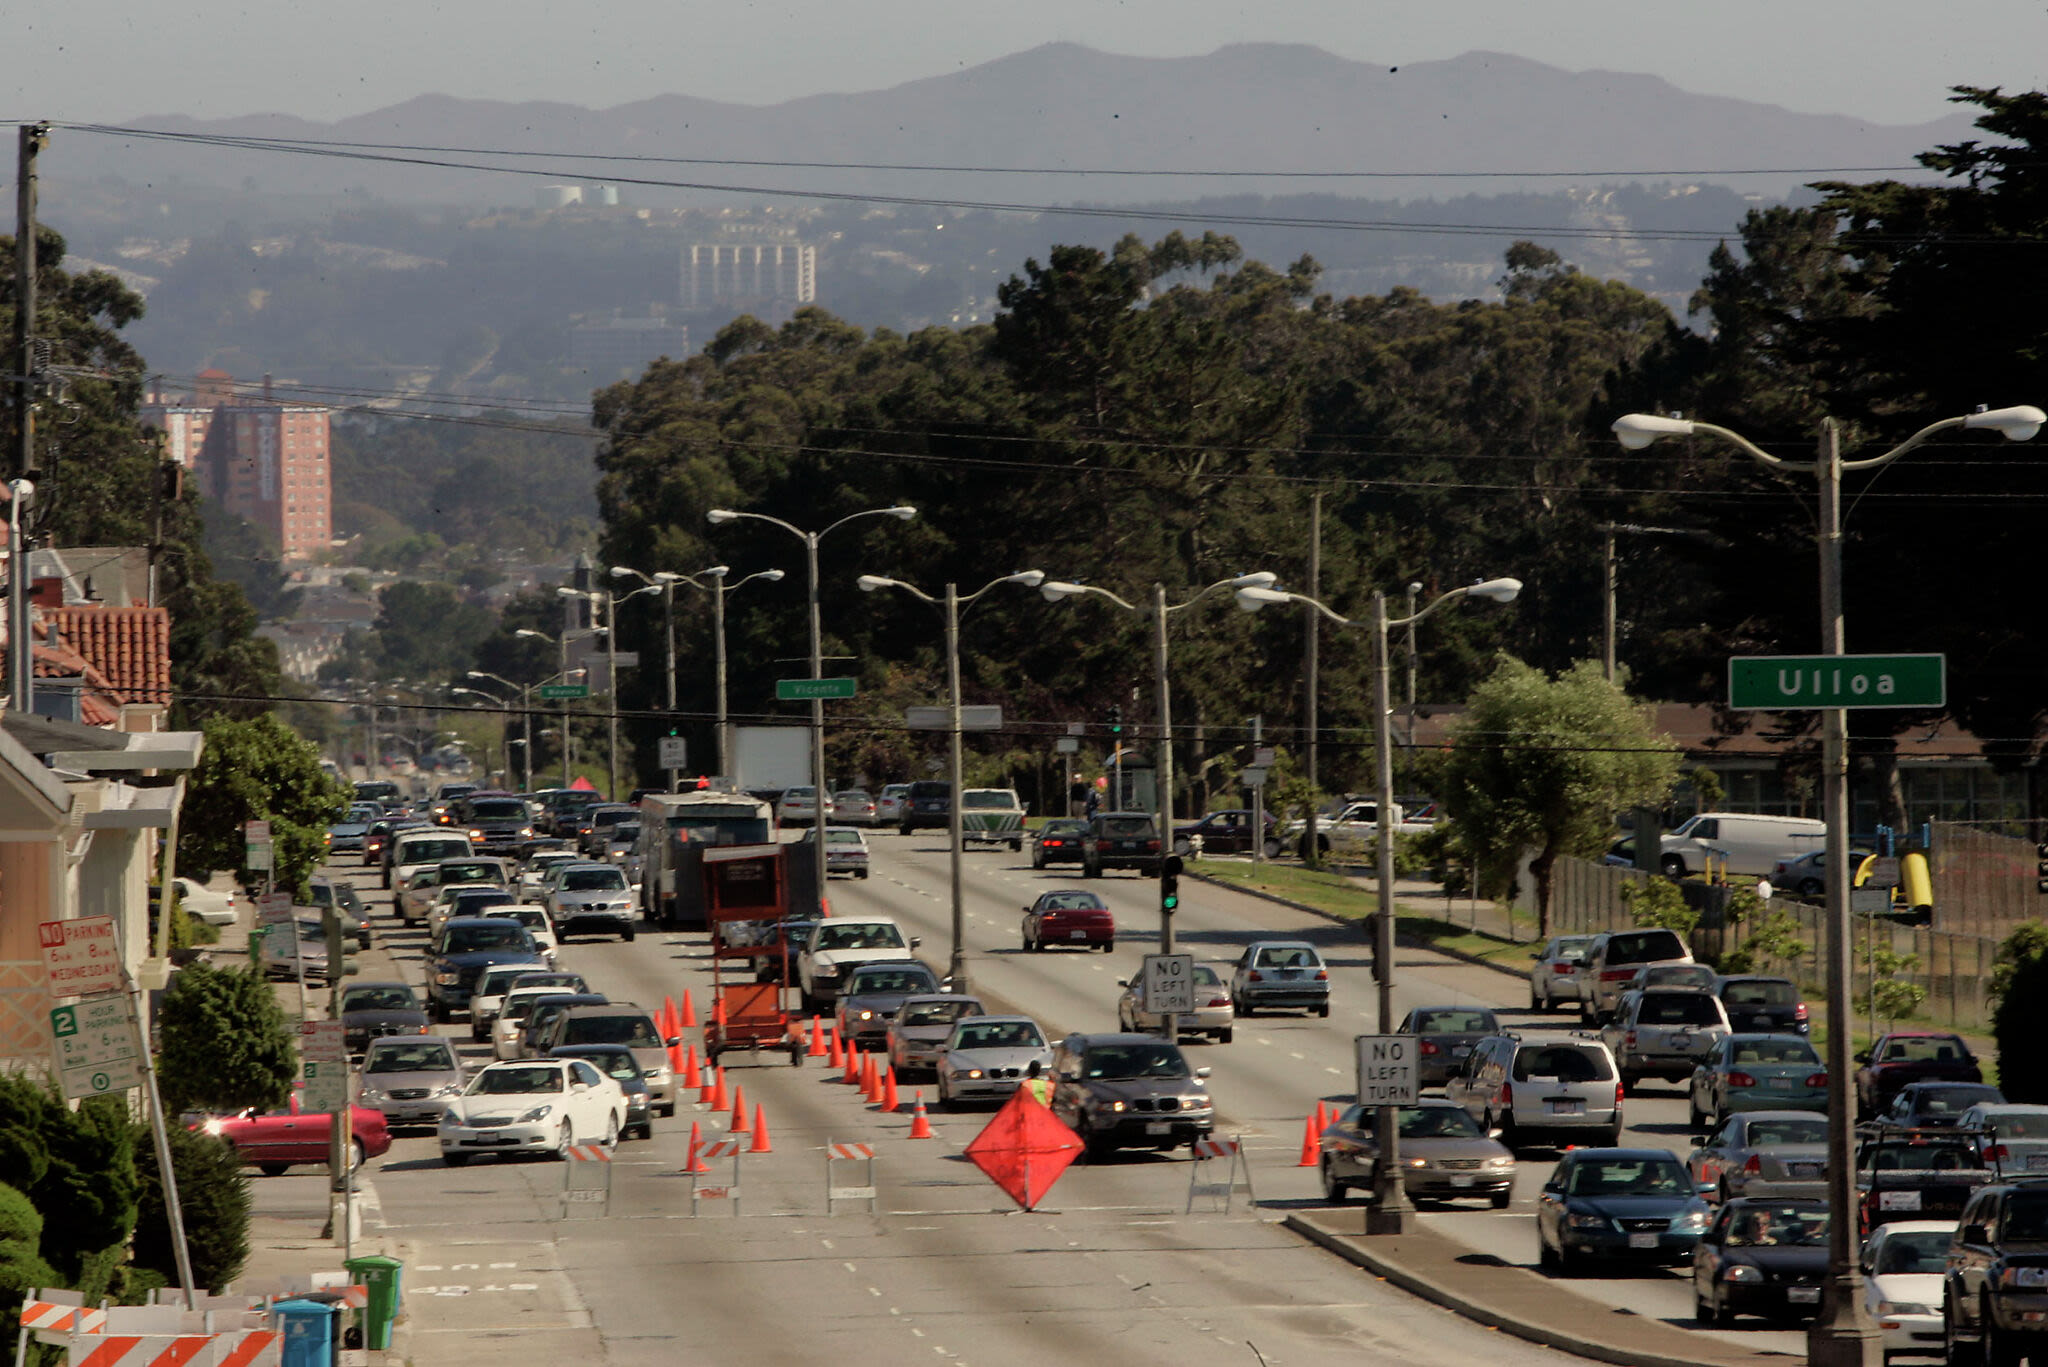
(1038, 1085)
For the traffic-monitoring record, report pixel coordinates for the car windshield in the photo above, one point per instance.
(428, 1056)
(1438, 1122)
(560, 982)
(495, 897)
(533, 918)
(998, 1035)
(479, 871)
(378, 999)
(635, 1032)
(2018, 1124)
(1638, 947)
(859, 936)
(1565, 1062)
(1772, 1051)
(1679, 975)
(1782, 1226)
(1127, 825)
(1062, 827)
(594, 880)
(1677, 1008)
(2026, 1217)
(547, 860)
(1454, 1023)
(936, 1013)
(1286, 956)
(1765, 1134)
(626, 833)
(612, 1063)
(514, 1080)
(424, 851)
(468, 939)
(1134, 1060)
(904, 980)
(1629, 1177)
(1766, 993)
(498, 809)
(313, 932)
(1003, 801)
(1952, 1100)
(1919, 1250)
(1070, 901)
(1925, 1049)
(1920, 1158)
(842, 837)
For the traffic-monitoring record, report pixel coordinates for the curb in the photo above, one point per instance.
(1405, 942)
(1473, 1310)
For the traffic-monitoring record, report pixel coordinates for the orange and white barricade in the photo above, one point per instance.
(730, 1147)
(849, 1153)
(1236, 1175)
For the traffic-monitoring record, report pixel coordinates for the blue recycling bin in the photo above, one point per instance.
(308, 1330)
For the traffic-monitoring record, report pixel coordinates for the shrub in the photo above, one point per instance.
(223, 1044)
(2020, 986)
(213, 1193)
(1656, 903)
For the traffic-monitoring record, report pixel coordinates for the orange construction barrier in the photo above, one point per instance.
(920, 1123)
(890, 1101)
(689, 1020)
(760, 1144)
(739, 1107)
(1310, 1150)
(695, 1161)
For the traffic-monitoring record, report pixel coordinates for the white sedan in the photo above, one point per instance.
(204, 904)
(539, 1106)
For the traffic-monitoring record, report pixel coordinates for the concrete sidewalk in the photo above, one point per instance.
(1516, 1300)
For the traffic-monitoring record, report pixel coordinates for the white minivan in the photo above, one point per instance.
(1742, 844)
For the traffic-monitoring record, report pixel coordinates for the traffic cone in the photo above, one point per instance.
(760, 1144)
(718, 1100)
(838, 1047)
(689, 1020)
(824, 905)
(920, 1123)
(817, 1049)
(718, 1013)
(693, 1076)
(849, 1069)
(665, 1019)
(695, 1161)
(1310, 1150)
(1322, 1120)
(890, 1101)
(873, 1089)
(739, 1108)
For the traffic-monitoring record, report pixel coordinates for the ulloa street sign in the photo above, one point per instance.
(1795, 682)
(803, 690)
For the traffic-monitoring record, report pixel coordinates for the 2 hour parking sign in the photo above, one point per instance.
(96, 1048)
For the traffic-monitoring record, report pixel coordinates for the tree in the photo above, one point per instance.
(213, 1196)
(2019, 983)
(77, 1168)
(258, 770)
(222, 1042)
(1542, 764)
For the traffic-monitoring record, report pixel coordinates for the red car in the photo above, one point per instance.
(1910, 1056)
(1069, 918)
(275, 1140)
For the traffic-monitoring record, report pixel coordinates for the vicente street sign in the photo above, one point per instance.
(1798, 682)
(803, 690)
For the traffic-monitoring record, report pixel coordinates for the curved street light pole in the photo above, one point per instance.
(1844, 1332)
(950, 605)
(720, 516)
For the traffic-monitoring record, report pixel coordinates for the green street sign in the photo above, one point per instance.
(564, 692)
(803, 690)
(1783, 683)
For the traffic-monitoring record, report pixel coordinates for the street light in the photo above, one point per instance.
(561, 644)
(952, 602)
(1844, 1332)
(611, 686)
(718, 588)
(1392, 1212)
(1056, 590)
(718, 517)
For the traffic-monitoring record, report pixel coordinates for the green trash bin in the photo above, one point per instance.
(257, 935)
(380, 1276)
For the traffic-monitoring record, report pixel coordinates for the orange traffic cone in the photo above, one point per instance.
(693, 1076)
(872, 1084)
(890, 1101)
(1310, 1150)
(689, 1019)
(817, 1049)
(718, 1012)
(719, 1097)
(920, 1123)
(824, 905)
(850, 1070)
(1322, 1119)
(838, 1047)
(760, 1144)
(739, 1107)
(668, 1013)
(695, 1161)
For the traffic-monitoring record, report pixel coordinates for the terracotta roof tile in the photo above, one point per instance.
(129, 647)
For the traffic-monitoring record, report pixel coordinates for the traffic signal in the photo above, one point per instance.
(1116, 720)
(1169, 884)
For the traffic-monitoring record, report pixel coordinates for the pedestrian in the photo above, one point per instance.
(1094, 803)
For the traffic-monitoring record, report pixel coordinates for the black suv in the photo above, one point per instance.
(1130, 1092)
(468, 945)
(928, 804)
(498, 823)
(1120, 840)
(1994, 1292)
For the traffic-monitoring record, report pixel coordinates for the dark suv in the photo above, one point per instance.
(928, 805)
(1130, 1092)
(467, 947)
(498, 823)
(1120, 840)
(1994, 1292)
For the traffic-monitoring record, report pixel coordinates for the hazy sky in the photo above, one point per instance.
(1886, 60)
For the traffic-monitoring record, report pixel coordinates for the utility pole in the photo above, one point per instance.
(20, 670)
(1315, 631)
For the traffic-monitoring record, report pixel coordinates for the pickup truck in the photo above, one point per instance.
(1353, 831)
(1910, 1056)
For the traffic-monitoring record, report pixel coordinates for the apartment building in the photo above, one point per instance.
(260, 459)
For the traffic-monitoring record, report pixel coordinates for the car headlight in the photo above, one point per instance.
(966, 1074)
(370, 1096)
(451, 1116)
(1504, 1161)
(1580, 1219)
(215, 1127)
(867, 1015)
(1197, 1103)
(1692, 1222)
(447, 978)
(452, 1089)
(1418, 1162)
(537, 1113)
(1905, 1308)
(1741, 1272)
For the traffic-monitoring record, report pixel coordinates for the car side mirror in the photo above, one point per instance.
(1495, 1133)
(579, 1086)
(676, 1042)
(916, 940)
(1863, 1057)
(1706, 1189)
(1975, 1234)
(1536, 955)
(1202, 1072)
(1123, 982)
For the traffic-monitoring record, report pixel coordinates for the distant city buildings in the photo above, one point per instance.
(617, 347)
(260, 459)
(741, 272)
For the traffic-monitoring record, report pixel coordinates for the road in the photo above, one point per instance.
(1109, 1264)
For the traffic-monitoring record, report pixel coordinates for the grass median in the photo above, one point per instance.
(1339, 895)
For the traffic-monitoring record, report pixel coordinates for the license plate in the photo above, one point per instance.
(1805, 1169)
(1566, 1107)
(1803, 1295)
(1461, 1050)
(2037, 1162)
(1681, 1041)
(1642, 1241)
(1779, 1084)
(1462, 1179)
(1077, 935)
(1898, 1200)
(1159, 1127)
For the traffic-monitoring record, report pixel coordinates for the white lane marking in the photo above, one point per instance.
(496, 1266)
(874, 1291)
(826, 1242)
(1333, 1072)
(1303, 1057)
(848, 1266)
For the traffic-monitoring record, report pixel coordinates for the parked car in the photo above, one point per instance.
(1761, 1256)
(371, 1011)
(1740, 844)
(872, 993)
(921, 1025)
(1936, 1105)
(889, 805)
(620, 1023)
(1995, 1285)
(1225, 832)
(1350, 829)
(1120, 840)
(854, 806)
(1445, 1156)
(1069, 917)
(986, 1058)
(1612, 960)
(464, 949)
(409, 1079)
(1764, 1153)
(294, 949)
(1806, 875)
(1213, 1015)
(1910, 1056)
(1902, 1269)
(538, 1106)
(276, 1140)
(1762, 1005)
(589, 897)
(1664, 1032)
(1554, 977)
(203, 903)
(992, 816)
(1057, 841)
(326, 892)
(1757, 1073)
(1541, 1090)
(1637, 1205)
(846, 850)
(1130, 1091)
(1445, 1036)
(616, 1062)
(1287, 975)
